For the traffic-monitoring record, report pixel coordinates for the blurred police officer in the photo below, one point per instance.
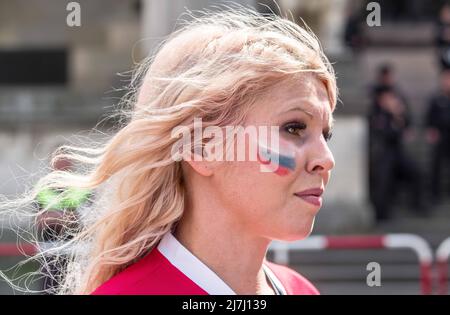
(389, 122)
(438, 132)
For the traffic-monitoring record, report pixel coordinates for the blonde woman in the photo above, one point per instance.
(161, 225)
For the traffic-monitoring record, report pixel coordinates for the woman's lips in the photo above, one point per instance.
(315, 200)
(312, 196)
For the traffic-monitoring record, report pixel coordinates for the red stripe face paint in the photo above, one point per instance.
(279, 159)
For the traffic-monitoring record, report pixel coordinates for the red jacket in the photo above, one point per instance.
(170, 269)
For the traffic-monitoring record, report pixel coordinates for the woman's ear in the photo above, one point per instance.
(203, 167)
(201, 162)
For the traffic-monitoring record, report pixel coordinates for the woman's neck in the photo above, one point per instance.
(223, 245)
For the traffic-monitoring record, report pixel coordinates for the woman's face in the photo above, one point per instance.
(271, 204)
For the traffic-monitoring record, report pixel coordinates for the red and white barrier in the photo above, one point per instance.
(13, 249)
(442, 257)
(388, 241)
(28, 249)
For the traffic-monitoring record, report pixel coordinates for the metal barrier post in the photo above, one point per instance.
(442, 256)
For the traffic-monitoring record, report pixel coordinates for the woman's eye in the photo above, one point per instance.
(295, 128)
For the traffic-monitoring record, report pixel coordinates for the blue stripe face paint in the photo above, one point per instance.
(281, 161)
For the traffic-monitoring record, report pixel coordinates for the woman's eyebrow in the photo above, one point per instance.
(309, 113)
(298, 109)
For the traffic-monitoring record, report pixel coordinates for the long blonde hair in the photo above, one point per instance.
(214, 66)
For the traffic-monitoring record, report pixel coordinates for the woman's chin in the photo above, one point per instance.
(297, 233)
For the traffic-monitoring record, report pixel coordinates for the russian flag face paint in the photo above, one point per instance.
(278, 157)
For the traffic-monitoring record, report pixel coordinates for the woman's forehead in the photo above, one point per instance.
(307, 93)
(308, 85)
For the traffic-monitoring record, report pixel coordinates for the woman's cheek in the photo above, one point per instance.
(255, 189)
(278, 159)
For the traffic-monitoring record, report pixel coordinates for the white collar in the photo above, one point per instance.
(275, 281)
(192, 267)
(196, 270)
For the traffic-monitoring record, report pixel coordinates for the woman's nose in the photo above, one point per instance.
(321, 160)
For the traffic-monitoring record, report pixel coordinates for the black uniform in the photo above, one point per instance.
(443, 44)
(438, 117)
(389, 163)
